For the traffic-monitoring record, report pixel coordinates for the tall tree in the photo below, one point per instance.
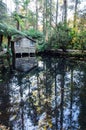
(56, 12)
(25, 4)
(65, 12)
(50, 15)
(44, 12)
(75, 13)
(16, 13)
(36, 14)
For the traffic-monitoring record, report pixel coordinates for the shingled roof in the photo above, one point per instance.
(19, 38)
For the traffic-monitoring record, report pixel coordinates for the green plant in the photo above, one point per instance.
(61, 37)
(34, 34)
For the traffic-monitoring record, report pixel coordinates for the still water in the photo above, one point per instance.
(52, 96)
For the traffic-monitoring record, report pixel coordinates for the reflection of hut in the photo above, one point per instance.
(25, 63)
(23, 45)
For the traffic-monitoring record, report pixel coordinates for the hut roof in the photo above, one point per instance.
(19, 38)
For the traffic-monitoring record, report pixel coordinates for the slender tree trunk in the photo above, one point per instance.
(9, 41)
(36, 14)
(46, 15)
(26, 21)
(65, 12)
(75, 13)
(44, 26)
(17, 25)
(50, 15)
(56, 12)
(17, 11)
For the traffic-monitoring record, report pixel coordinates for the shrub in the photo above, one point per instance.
(61, 37)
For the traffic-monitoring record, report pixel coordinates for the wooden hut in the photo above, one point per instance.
(23, 45)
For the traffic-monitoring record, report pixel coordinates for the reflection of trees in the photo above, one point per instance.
(76, 74)
(4, 96)
(67, 99)
(51, 69)
(56, 106)
(71, 97)
(48, 97)
(61, 67)
(48, 77)
(4, 105)
(82, 116)
(71, 67)
(19, 84)
(62, 92)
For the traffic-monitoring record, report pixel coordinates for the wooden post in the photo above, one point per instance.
(12, 48)
(13, 54)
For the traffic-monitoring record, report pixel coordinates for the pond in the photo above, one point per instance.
(52, 96)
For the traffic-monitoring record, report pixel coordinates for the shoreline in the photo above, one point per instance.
(74, 54)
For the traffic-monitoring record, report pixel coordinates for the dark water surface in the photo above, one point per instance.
(52, 96)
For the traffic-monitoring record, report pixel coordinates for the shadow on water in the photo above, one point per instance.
(49, 97)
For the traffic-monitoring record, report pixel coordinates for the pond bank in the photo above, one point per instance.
(76, 54)
(68, 53)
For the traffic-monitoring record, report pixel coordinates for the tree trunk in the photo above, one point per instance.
(36, 14)
(17, 11)
(50, 16)
(75, 13)
(44, 30)
(9, 41)
(46, 15)
(17, 24)
(56, 12)
(65, 12)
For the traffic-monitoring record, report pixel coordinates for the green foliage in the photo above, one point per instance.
(61, 38)
(79, 40)
(41, 47)
(34, 34)
(7, 30)
(17, 16)
(67, 38)
(3, 29)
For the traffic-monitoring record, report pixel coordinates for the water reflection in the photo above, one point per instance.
(50, 97)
